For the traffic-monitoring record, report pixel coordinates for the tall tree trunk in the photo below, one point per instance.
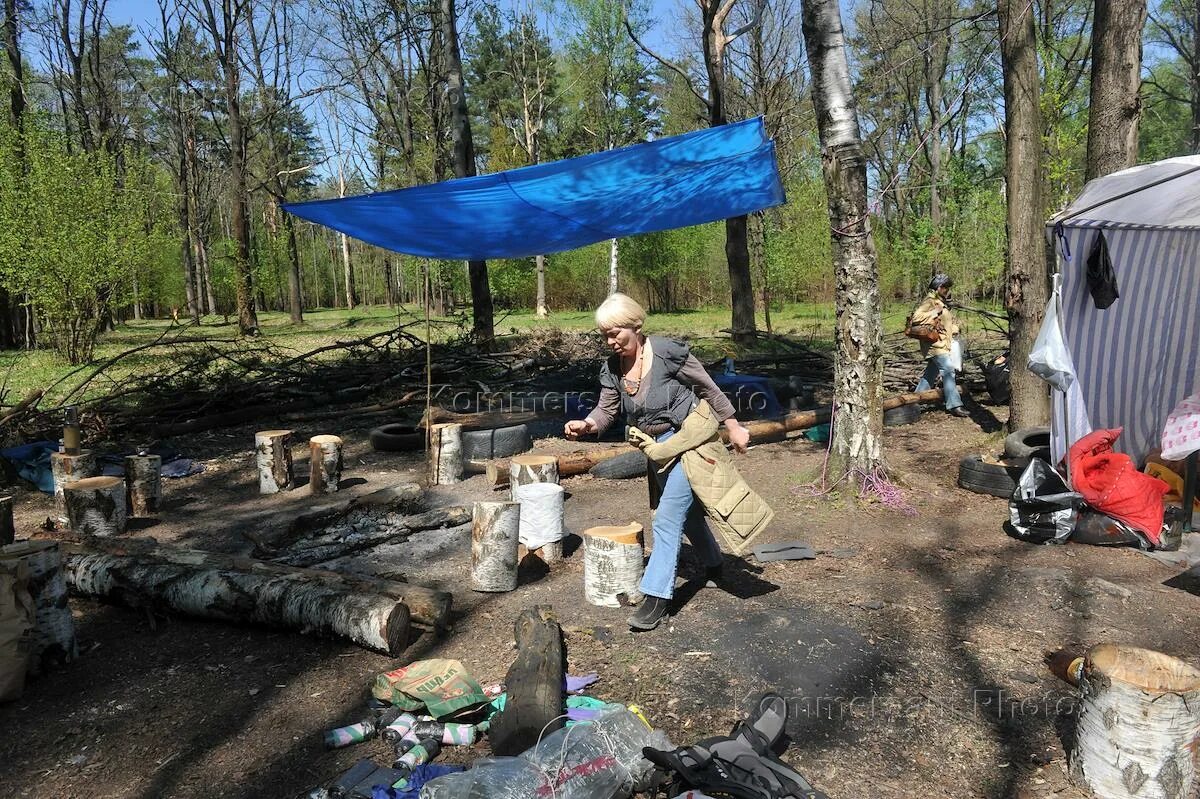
(758, 259)
(856, 446)
(737, 247)
(347, 267)
(464, 165)
(1195, 62)
(614, 248)
(295, 298)
(209, 295)
(9, 311)
(1026, 294)
(1116, 99)
(243, 280)
(542, 310)
(188, 230)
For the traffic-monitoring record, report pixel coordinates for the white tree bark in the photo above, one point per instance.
(325, 462)
(612, 565)
(143, 482)
(527, 469)
(542, 310)
(445, 453)
(67, 469)
(54, 628)
(612, 266)
(494, 542)
(274, 458)
(858, 338)
(264, 594)
(96, 506)
(1137, 727)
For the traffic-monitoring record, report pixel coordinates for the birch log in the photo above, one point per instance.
(143, 482)
(445, 454)
(54, 628)
(8, 531)
(208, 587)
(494, 541)
(527, 469)
(96, 506)
(612, 565)
(274, 457)
(325, 461)
(1137, 726)
(67, 469)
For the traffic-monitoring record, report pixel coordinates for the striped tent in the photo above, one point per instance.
(1138, 358)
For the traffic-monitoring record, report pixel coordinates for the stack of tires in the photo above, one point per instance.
(998, 476)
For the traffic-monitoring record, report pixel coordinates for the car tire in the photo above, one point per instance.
(902, 415)
(623, 467)
(1028, 442)
(500, 442)
(397, 438)
(985, 477)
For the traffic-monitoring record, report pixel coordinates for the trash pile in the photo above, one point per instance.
(433, 704)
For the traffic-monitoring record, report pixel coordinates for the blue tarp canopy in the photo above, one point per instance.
(669, 183)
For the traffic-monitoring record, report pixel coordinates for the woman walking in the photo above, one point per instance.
(658, 384)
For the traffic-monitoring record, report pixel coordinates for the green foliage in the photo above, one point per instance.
(75, 226)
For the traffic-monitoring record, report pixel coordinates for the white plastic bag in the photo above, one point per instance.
(956, 355)
(541, 514)
(1050, 359)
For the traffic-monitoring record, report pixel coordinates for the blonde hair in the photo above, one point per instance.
(620, 310)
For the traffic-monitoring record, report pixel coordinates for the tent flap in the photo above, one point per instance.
(698, 177)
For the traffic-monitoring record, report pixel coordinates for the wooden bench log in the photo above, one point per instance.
(535, 684)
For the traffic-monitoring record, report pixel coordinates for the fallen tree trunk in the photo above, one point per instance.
(209, 586)
(427, 606)
(31, 398)
(308, 552)
(485, 420)
(761, 432)
(299, 414)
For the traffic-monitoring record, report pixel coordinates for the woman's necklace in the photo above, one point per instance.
(632, 386)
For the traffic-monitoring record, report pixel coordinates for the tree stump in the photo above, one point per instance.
(274, 455)
(143, 482)
(541, 520)
(8, 532)
(54, 628)
(445, 454)
(67, 469)
(1138, 721)
(613, 560)
(535, 684)
(96, 506)
(494, 542)
(325, 459)
(527, 469)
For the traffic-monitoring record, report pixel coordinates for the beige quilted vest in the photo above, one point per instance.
(734, 509)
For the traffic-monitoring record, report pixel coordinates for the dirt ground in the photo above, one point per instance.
(910, 650)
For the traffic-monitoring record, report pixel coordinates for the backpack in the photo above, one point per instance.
(741, 765)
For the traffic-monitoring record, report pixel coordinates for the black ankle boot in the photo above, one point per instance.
(652, 611)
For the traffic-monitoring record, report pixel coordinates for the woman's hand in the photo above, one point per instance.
(578, 427)
(739, 436)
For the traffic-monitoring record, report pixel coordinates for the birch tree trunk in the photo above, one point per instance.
(494, 543)
(542, 310)
(613, 250)
(858, 339)
(1026, 293)
(1116, 100)
(54, 628)
(273, 455)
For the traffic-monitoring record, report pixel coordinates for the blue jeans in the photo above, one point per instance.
(940, 364)
(679, 513)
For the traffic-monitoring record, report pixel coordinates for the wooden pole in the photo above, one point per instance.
(486, 420)
(7, 529)
(96, 506)
(527, 469)
(213, 586)
(54, 628)
(445, 454)
(67, 469)
(274, 458)
(143, 483)
(325, 459)
(494, 542)
(612, 565)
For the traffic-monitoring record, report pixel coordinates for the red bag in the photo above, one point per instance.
(1111, 483)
